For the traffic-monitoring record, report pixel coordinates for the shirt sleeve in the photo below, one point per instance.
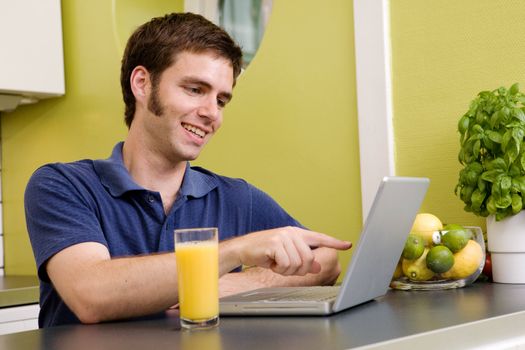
(59, 214)
(267, 213)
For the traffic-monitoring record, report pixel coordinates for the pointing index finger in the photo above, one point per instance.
(317, 239)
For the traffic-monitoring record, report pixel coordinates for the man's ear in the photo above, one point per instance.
(140, 83)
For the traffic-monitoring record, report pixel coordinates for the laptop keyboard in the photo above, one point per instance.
(307, 294)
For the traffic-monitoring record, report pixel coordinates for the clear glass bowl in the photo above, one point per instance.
(438, 282)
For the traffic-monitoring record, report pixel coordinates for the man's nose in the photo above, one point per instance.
(209, 108)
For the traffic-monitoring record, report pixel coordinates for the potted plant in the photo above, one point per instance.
(492, 181)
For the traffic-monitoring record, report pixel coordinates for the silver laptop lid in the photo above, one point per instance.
(382, 239)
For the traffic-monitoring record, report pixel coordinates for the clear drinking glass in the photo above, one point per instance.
(197, 254)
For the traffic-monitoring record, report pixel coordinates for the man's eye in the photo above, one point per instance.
(193, 90)
(221, 103)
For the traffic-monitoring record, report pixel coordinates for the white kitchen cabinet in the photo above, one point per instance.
(31, 51)
(19, 318)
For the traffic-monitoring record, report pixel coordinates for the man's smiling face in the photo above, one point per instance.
(185, 106)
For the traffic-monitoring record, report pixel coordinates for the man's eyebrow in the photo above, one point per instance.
(195, 80)
(198, 81)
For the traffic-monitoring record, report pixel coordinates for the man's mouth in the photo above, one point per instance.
(194, 130)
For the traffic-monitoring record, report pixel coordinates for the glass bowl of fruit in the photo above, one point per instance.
(451, 257)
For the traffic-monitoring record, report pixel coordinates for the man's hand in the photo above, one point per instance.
(286, 250)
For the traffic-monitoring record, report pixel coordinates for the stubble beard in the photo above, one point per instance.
(156, 107)
(154, 104)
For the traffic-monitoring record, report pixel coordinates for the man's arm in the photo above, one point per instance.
(97, 288)
(256, 277)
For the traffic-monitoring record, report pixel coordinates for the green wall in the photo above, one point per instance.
(291, 128)
(444, 53)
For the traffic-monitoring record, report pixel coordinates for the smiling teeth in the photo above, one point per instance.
(199, 132)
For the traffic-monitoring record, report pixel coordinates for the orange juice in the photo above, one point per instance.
(198, 277)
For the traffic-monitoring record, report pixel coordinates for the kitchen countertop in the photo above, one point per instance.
(18, 290)
(483, 315)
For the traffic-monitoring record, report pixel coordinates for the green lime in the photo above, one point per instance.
(453, 227)
(414, 247)
(455, 239)
(440, 259)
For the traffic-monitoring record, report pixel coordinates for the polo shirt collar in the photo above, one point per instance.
(116, 178)
(196, 184)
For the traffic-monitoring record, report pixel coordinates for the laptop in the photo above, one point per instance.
(370, 270)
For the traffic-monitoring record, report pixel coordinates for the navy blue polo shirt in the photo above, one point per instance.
(98, 201)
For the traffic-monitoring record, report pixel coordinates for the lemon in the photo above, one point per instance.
(399, 271)
(466, 261)
(455, 239)
(417, 270)
(425, 225)
(414, 247)
(439, 259)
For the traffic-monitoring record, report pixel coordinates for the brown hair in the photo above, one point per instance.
(156, 44)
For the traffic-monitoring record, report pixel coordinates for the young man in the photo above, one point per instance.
(102, 230)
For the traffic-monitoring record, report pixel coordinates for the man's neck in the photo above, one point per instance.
(152, 171)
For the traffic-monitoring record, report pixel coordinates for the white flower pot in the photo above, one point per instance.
(506, 244)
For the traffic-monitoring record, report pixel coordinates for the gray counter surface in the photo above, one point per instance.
(18, 290)
(398, 315)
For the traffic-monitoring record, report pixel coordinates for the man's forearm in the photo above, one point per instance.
(120, 288)
(98, 288)
(257, 277)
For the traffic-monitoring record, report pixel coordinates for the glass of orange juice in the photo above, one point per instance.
(197, 254)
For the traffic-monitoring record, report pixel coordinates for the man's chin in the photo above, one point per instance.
(188, 153)
(191, 156)
(175, 157)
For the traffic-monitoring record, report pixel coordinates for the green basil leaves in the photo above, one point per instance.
(492, 152)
